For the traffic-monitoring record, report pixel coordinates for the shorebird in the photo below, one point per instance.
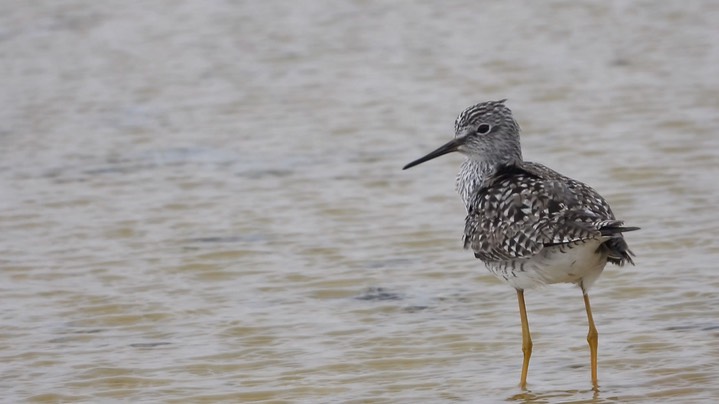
(530, 225)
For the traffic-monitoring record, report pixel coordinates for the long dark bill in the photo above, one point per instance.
(448, 147)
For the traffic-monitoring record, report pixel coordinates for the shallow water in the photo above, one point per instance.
(203, 201)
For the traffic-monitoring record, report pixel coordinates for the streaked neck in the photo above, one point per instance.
(473, 173)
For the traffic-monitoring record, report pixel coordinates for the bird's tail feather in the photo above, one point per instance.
(617, 249)
(612, 230)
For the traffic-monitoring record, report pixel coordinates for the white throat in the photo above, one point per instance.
(471, 175)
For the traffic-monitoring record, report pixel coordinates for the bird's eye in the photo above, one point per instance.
(483, 128)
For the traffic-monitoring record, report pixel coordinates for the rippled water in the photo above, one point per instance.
(202, 200)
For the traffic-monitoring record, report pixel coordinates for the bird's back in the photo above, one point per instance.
(526, 210)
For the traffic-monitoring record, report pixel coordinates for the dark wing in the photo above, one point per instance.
(518, 212)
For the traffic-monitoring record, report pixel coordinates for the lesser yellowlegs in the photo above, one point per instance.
(529, 224)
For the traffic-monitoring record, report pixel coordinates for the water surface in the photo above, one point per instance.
(202, 201)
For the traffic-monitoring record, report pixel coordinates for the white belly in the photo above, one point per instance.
(582, 264)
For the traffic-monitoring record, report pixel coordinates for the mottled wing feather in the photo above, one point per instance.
(584, 195)
(520, 210)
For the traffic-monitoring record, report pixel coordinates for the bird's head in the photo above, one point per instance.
(485, 132)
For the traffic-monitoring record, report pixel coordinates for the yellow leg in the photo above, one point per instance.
(526, 339)
(593, 339)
